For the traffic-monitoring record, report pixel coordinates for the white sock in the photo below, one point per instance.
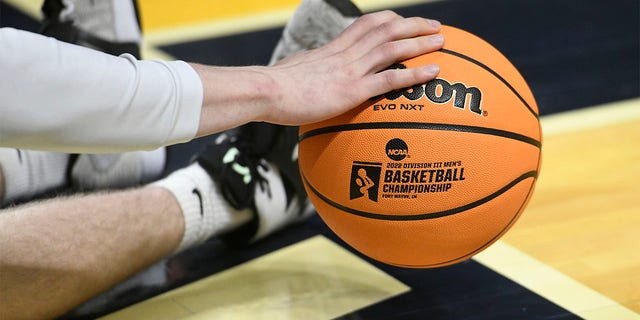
(27, 172)
(206, 212)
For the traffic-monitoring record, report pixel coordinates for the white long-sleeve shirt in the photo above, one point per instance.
(63, 97)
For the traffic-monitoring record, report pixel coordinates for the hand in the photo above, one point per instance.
(322, 83)
(325, 82)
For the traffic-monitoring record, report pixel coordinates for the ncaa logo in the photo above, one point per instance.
(397, 149)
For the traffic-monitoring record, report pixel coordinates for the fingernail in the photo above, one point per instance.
(432, 69)
(437, 39)
(435, 23)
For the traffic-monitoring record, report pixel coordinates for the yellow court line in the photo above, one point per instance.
(28, 7)
(218, 28)
(593, 117)
(165, 14)
(552, 284)
(375, 5)
(148, 51)
(265, 19)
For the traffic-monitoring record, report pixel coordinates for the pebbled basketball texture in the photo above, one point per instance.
(430, 175)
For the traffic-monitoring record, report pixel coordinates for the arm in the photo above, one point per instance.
(64, 97)
(68, 98)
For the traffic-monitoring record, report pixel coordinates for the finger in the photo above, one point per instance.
(385, 81)
(391, 52)
(361, 27)
(392, 31)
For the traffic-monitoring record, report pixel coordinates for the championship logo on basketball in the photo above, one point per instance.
(365, 178)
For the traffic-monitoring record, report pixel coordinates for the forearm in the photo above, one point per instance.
(318, 84)
(61, 97)
(234, 96)
(57, 254)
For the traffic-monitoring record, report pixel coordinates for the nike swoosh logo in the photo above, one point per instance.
(197, 193)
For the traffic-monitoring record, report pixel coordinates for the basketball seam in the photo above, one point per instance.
(495, 74)
(426, 216)
(420, 125)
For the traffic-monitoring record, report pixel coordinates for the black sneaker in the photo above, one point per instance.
(256, 168)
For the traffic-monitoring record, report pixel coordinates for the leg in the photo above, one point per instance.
(25, 174)
(58, 253)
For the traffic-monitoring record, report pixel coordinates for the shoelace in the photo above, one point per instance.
(245, 164)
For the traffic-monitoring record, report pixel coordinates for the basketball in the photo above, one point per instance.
(431, 175)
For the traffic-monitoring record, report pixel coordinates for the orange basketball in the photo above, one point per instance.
(430, 175)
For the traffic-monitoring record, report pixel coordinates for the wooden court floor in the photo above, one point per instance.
(584, 218)
(575, 252)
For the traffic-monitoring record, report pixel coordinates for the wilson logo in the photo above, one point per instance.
(439, 91)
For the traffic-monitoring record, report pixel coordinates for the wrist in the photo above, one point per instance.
(234, 96)
(262, 93)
